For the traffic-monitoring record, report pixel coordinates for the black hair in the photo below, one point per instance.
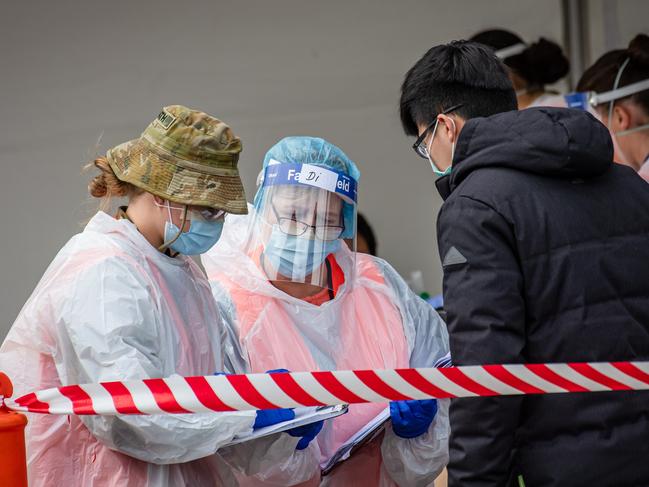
(600, 77)
(449, 74)
(364, 230)
(497, 39)
(541, 63)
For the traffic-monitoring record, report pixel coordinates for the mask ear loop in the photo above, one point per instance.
(644, 126)
(454, 142)
(452, 145)
(615, 86)
(166, 245)
(610, 110)
(430, 144)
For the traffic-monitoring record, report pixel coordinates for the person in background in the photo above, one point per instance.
(531, 67)
(365, 238)
(123, 300)
(543, 243)
(627, 117)
(293, 295)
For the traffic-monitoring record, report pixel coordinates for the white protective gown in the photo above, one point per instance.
(377, 322)
(111, 307)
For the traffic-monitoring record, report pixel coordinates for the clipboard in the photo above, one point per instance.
(366, 434)
(303, 416)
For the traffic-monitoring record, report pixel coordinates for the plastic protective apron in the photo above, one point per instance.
(61, 450)
(372, 337)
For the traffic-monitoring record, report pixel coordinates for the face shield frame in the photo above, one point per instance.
(590, 99)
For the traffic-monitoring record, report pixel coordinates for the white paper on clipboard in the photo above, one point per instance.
(303, 416)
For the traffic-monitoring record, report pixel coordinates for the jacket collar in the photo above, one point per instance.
(443, 185)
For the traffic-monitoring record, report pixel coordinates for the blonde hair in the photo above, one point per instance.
(106, 185)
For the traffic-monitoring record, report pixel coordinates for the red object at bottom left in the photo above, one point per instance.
(13, 462)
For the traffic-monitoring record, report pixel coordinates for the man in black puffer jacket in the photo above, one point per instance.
(544, 243)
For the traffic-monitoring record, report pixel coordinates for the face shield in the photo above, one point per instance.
(303, 214)
(590, 100)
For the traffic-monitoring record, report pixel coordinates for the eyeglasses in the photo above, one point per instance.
(198, 212)
(419, 147)
(291, 226)
(207, 214)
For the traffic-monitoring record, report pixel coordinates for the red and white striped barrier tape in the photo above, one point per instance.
(286, 390)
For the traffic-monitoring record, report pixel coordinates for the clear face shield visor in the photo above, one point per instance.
(304, 214)
(590, 100)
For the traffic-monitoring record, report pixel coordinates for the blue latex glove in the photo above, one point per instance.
(308, 432)
(268, 417)
(412, 418)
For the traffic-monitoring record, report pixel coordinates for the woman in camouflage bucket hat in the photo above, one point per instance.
(120, 302)
(185, 161)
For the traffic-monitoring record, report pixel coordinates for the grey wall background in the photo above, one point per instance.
(79, 76)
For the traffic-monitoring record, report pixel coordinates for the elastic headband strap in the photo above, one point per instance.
(506, 52)
(600, 98)
(277, 173)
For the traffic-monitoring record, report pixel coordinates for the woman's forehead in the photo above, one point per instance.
(307, 196)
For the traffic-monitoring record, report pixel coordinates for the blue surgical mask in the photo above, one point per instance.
(204, 231)
(297, 257)
(199, 239)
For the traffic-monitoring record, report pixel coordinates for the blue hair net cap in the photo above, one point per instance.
(312, 150)
(319, 152)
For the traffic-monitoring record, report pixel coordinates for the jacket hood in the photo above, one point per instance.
(554, 142)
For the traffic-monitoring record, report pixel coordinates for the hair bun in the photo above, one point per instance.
(97, 187)
(106, 182)
(638, 49)
(544, 63)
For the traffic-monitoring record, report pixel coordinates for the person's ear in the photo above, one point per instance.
(621, 118)
(449, 128)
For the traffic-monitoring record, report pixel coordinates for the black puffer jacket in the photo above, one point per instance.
(545, 248)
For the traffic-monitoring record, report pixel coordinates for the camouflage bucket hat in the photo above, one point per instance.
(184, 156)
